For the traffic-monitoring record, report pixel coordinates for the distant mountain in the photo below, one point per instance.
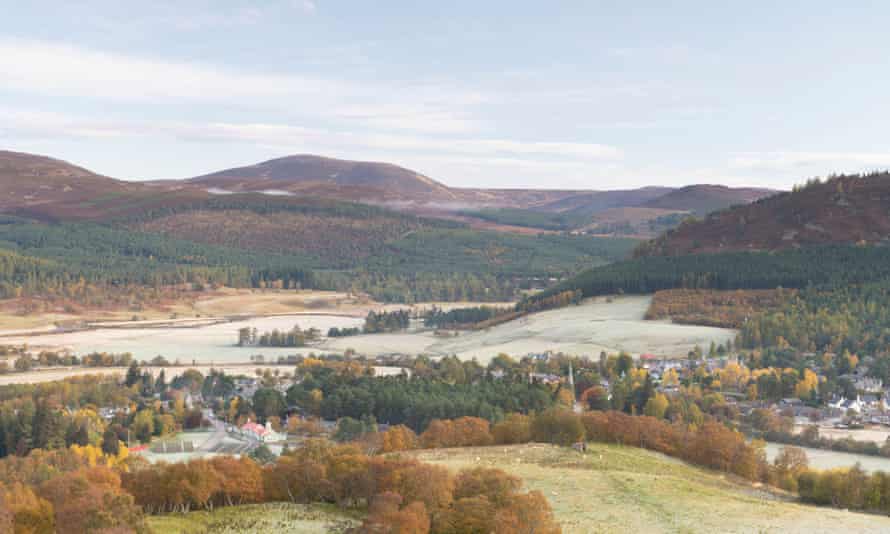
(591, 202)
(28, 182)
(703, 199)
(51, 189)
(844, 209)
(331, 178)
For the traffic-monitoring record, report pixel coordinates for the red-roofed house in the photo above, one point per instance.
(262, 433)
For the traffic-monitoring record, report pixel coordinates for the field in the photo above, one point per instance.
(601, 324)
(621, 489)
(877, 434)
(276, 518)
(247, 369)
(826, 459)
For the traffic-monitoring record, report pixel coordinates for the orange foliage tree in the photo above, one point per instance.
(461, 432)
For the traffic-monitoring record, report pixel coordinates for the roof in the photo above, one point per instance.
(257, 429)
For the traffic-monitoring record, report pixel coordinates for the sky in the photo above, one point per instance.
(560, 94)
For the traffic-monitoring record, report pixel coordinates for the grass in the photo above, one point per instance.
(622, 489)
(266, 518)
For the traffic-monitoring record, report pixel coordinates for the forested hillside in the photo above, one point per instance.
(839, 306)
(798, 268)
(72, 236)
(701, 200)
(842, 209)
(99, 264)
(641, 212)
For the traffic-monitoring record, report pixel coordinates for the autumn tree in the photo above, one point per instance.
(31, 513)
(470, 514)
(656, 406)
(143, 426)
(398, 438)
(515, 428)
(595, 397)
(460, 432)
(90, 500)
(557, 426)
(495, 485)
(789, 464)
(527, 514)
(386, 516)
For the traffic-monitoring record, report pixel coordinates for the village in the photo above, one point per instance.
(862, 413)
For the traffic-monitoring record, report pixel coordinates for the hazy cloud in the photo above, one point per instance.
(810, 162)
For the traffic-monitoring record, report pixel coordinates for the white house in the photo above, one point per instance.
(261, 433)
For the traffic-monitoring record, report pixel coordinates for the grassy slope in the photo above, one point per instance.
(269, 519)
(620, 489)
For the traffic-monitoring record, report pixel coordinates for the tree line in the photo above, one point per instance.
(399, 494)
(295, 337)
(414, 402)
(839, 265)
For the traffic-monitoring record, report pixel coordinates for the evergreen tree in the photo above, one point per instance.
(134, 375)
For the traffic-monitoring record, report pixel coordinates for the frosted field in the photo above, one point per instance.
(51, 375)
(205, 344)
(822, 459)
(585, 330)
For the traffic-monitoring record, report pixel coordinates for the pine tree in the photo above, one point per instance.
(133, 375)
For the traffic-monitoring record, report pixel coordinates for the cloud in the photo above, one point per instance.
(810, 162)
(401, 121)
(307, 6)
(36, 67)
(285, 135)
(23, 123)
(72, 71)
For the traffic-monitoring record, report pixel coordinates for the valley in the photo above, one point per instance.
(444, 268)
(601, 325)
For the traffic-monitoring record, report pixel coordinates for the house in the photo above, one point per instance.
(845, 405)
(869, 385)
(258, 432)
(246, 386)
(544, 378)
(108, 413)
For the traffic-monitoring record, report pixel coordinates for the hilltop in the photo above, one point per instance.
(641, 213)
(47, 188)
(706, 198)
(28, 181)
(843, 209)
(330, 178)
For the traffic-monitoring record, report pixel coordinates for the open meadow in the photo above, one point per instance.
(614, 489)
(601, 324)
(278, 518)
